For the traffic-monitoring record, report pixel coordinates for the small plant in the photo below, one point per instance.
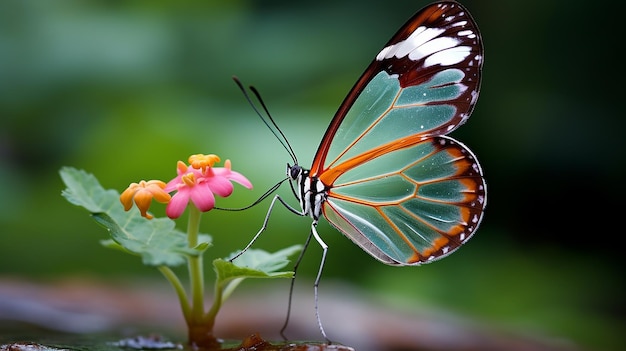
(161, 245)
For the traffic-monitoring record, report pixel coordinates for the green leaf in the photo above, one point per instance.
(84, 190)
(111, 244)
(256, 263)
(157, 241)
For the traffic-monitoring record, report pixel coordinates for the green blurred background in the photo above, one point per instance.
(125, 89)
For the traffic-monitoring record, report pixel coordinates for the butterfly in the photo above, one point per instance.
(386, 174)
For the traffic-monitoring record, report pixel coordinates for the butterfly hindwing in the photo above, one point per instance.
(428, 202)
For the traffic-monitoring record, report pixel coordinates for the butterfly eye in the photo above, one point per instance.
(293, 171)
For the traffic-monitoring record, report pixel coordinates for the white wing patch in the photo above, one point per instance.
(424, 43)
(446, 57)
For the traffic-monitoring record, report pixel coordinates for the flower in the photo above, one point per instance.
(202, 162)
(142, 193)
(198, 183)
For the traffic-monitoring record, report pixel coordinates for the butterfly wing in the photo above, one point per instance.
(398, 187)
(411, 205)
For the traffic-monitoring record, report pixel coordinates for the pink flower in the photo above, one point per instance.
(198, 183)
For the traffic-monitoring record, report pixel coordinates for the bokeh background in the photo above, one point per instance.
(125, 89)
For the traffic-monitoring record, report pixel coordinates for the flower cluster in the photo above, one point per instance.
(197, 182)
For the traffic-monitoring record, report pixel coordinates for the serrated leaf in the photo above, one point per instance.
(84, 190)
(256, 263)
(253, 263)
(157, 241)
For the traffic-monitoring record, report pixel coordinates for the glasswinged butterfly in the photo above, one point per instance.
(386, 174)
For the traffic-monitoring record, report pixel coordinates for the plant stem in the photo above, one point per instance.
(196, 275)
(180, 291)
(222, 291)
(199, 330)
(217, 304)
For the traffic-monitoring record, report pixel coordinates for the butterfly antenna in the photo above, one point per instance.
(257, 201)
(284, 138)
(280, 135)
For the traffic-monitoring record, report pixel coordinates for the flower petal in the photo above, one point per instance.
(202, 197)
(143, 199)
(173, 184)
(181, 169)
(156, 188)
(178, 203)
(161, 196)
(219, 185)
(127, 196)
(228, 173)
(239, 178)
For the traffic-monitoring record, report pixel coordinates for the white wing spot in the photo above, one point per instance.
(433, 47)
(467, 33)
(383, 53)
(460, 23)
(449, 56)
(402, 48)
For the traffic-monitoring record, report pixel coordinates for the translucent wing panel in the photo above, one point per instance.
(373, 103)
(385, 112)
(366, 227)
(427, 200)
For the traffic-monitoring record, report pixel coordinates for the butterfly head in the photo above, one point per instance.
(294, 172)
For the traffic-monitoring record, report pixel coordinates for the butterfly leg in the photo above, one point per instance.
(293, 281)
(319, 276)
(264, 226)
(313, 233)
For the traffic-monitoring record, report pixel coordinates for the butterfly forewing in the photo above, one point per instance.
(424, 82)
(397, 186)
